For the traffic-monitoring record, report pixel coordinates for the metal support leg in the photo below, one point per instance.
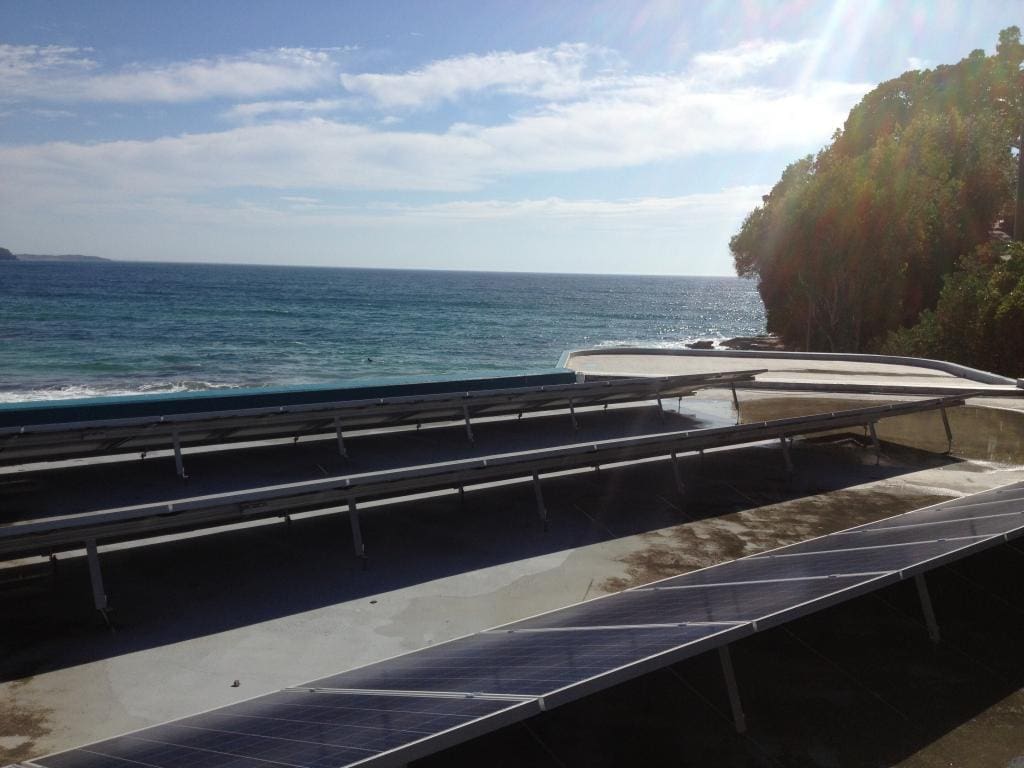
(99, 596)
(874, 442)
(357, 534)
(926, 608)
(661, 410)
(469, 427)
(677, 476)
(572, 414)
(738, 718)
(179, 464)
(541, 509)
(341, 438)
(785, 455)
(736, 403)
(949, 432)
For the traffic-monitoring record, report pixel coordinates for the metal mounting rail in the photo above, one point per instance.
(51, 442)
(141, 521)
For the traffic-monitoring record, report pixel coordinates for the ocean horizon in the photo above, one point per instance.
(119, 327)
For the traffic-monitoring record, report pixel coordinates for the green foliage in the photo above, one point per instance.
(855, 242)
(979, 318)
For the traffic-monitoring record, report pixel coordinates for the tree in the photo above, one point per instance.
(855, 242)
(979, 315)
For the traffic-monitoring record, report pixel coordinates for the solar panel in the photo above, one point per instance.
(1006, 500)
(909, 533)
(202, 421)
(815, 565)
(519, 661)
(419, 703)
(718, 602)
(290, 728)
(54, 534)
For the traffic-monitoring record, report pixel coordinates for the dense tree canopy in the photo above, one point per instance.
(855, 242)
(979, 319)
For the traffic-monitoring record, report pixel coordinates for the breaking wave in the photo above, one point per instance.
(78, 391)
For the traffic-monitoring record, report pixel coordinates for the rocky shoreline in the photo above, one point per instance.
(767, 343)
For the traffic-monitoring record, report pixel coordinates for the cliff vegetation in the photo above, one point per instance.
(896, 214)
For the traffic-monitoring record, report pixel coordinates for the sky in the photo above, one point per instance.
(593, 137)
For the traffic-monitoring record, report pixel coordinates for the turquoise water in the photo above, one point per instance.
(75, 330)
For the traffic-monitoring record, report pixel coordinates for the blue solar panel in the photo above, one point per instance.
(506, 661)
(979, 527)
(1003, 493)
(969, 506)
(722, 602)
(288, 728)
(409, 706)
(777, 566)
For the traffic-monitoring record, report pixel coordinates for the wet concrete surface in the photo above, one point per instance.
(21, 726)
(979, 431)
(805, 371)
(274, 605)
(811, 368)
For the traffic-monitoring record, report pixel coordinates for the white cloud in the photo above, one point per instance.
(543, 72)
(661, 119)
(680, 234)
(654, 119)
(256, 109)
(290, 154)
(612, 121)
(674, 212)
(313, 153)
(24, 61)
(58, 74)
(747, 57)
(558, 73)
(26, 70)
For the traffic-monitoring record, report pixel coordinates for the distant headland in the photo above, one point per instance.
(6, 255)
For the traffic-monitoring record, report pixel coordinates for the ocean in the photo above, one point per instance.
(88, 329)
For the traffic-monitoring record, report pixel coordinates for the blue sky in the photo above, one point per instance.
(529, 136)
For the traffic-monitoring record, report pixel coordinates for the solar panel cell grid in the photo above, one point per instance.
(1008, 504)
(289, 728)
(769, 567)
(1003, 493)
(517, 663)
(937, 531)
(730, 602)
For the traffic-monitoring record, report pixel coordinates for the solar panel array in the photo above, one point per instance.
(52, 534)
(25, 442)
(397, 710)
